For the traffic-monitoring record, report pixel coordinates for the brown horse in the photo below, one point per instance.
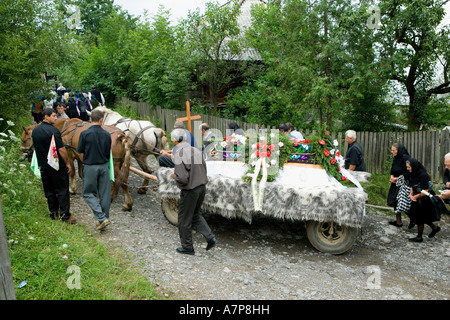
(70, 132)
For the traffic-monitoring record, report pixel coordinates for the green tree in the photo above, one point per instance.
(416, 48)
(214, 42)
(91, 14)
(161, 62)
(107, 66)
(31, 44)
(321, 54)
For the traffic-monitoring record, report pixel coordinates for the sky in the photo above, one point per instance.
(178, 8)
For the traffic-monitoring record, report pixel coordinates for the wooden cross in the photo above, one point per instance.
(188, 117)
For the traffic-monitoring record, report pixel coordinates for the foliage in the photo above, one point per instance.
(415, 47)
(327, 155)
(318, 53)
(214, 42)
(161, 62)
(30, 44)
(91, 15)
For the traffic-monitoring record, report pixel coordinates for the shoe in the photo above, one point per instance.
(433, 233)
(394, 223)
(415, 239)
(411, 225)
(185, 251)
(103, 224)
(211, 243)
(70, 220)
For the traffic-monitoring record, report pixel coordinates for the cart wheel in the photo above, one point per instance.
(170, 210)
(330, 237)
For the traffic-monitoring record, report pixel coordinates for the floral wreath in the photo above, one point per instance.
(325, 150)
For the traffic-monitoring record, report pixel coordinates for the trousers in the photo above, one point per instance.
(56, 190)
(97, 190)
(189, 216)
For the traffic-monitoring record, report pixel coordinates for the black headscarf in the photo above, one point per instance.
(401, 151)
(399, 162)
(419, 175)
(416, 166)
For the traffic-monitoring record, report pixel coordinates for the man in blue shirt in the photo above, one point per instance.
(94, 147)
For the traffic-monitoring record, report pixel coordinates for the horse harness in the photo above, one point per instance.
(138, 137)
(79, 125)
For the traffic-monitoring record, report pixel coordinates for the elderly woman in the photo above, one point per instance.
(422, 209)
(398, 168)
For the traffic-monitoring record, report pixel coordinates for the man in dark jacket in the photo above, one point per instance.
(191, 177)
(354, 158)
(55, 182)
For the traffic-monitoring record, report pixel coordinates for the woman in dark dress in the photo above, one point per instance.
(422, 210)
(398, 168)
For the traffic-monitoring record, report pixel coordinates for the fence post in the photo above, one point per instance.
(6, 280)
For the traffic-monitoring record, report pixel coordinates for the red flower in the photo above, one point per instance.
(326, 152)
(327, 133)
(338, 154)
(271, 147)
(333, 161)
(268, 154)
(322, 142)
(344, 178)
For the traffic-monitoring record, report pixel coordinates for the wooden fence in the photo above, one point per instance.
(429, 147)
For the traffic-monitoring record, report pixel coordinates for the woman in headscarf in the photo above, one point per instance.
(422, 210)
(398, 168)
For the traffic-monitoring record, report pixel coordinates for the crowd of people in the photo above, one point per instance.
(409, 192)
(67, 103)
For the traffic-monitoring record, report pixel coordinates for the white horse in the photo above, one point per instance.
(146, 139)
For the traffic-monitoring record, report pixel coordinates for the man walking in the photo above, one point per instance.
(55, 182)
(95, 148)
(190, 176)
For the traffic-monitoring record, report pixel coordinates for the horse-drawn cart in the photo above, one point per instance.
(332, 212)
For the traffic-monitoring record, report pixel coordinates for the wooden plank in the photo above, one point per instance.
(6, 279)
(143, 174)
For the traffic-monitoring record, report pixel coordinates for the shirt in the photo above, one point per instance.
(42, 137)
(190, 167)
(95, 144)
(354, 156)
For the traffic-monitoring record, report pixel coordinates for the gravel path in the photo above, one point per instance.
(274, 260)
